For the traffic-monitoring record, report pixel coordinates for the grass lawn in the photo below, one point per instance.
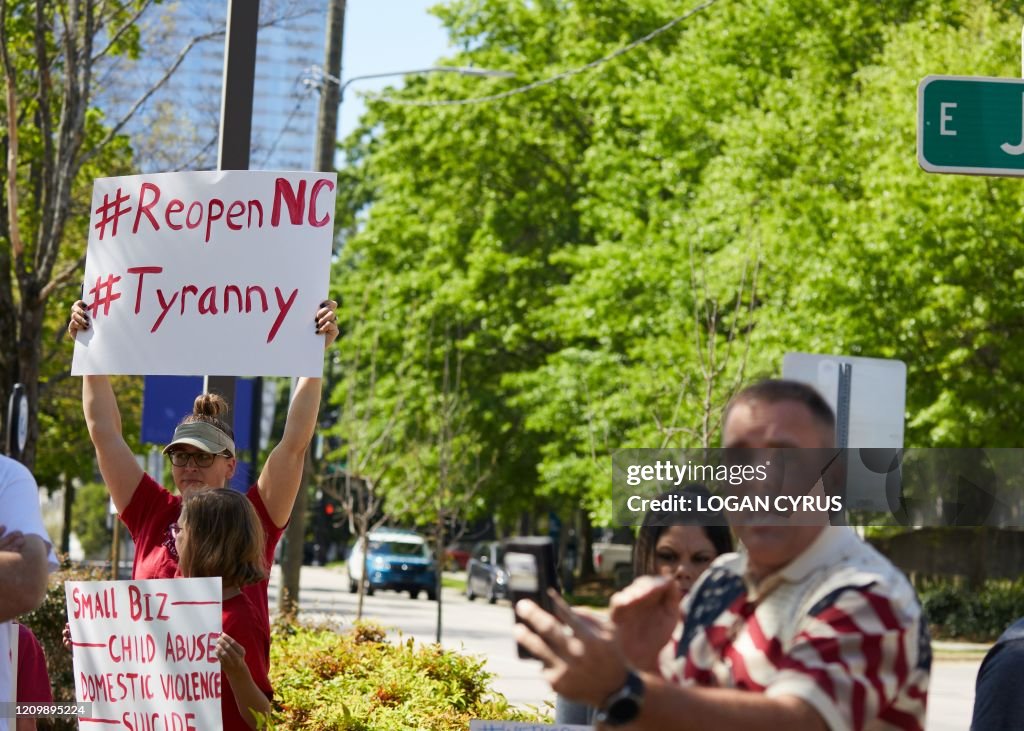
(453, 582)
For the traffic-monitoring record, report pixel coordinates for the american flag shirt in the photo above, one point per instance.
(839, 627)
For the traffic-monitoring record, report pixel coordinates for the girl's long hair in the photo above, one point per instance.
(223, 537)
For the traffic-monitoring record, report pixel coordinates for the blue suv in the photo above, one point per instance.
(396, 559)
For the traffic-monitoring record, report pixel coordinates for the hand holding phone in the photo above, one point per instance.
(530, 564)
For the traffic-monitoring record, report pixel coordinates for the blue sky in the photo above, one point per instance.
(383, 36)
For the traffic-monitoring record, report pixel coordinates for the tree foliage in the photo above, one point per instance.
(54, 144)
(584, 246)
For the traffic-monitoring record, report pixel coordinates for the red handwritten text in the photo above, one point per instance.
(114, 687)
(147, 607)
(192, 686)
(100, 604)
(151, 211)
(195, 648)
(159, 721)
(131, 648)
(212, 300)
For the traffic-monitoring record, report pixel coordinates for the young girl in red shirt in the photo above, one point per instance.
(219, 534)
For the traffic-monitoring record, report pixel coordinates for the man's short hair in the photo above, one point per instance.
(777, 390)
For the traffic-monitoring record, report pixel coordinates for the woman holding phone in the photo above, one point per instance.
(675, 545)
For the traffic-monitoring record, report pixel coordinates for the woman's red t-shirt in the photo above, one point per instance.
(148, 518)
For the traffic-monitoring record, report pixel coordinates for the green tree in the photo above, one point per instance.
(55, 144)
(586, 244)
(91, 518)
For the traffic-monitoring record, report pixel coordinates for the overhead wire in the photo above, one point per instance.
(302, 97)
(557, 77)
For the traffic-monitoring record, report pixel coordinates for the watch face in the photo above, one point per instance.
(623, 711)
(624, 706)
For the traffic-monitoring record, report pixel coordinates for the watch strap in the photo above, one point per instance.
(623, 706)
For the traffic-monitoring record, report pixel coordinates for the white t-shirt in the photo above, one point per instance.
(19, 510)
(19, 503)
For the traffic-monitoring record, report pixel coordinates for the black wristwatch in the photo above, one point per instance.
(623, 706)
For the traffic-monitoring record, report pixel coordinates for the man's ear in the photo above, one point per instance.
(232, 466)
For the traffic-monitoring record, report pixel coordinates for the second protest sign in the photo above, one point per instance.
(144, 652)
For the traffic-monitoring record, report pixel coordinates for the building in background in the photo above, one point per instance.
(177, 127)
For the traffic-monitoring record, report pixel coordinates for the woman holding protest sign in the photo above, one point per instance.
(219, 534)
(202, 453)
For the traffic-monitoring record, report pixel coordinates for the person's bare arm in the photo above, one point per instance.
(120, 471)
(281, 476)
(248, 697)
(669, 707)
(23, 578)
(589, 665)
(117, 464)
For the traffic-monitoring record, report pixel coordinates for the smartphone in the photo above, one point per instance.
(530, 564)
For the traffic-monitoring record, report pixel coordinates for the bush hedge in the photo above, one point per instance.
(956, 612)
(359, 681)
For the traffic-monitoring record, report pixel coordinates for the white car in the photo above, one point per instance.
(396, 559)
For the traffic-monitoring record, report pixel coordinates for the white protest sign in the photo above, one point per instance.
(144, 653)
(478, 725)
(207, 273)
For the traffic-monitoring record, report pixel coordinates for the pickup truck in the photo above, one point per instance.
(613, 559)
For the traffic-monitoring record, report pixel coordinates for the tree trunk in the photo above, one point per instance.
(295, 539)
(29, 350)
(438, 581)
(65, 528)
(364, 541)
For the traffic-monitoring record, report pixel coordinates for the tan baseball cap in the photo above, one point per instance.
(203, 436)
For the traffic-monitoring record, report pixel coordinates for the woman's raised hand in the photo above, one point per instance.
(79, 318)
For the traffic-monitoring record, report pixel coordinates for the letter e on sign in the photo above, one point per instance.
(944, 117)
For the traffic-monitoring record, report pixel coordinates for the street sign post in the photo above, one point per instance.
(971, 125)
(868, 397)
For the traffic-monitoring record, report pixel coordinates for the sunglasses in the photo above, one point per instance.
(201, 459)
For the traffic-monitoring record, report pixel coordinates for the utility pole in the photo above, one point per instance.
(326, 140)
(330, 94)
(236, 125)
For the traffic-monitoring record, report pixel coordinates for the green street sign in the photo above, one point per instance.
(972, 125)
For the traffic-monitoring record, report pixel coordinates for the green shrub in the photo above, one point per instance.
(92, 504)
(358, 681)
(957, 612)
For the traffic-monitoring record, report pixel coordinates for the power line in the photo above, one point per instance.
(301, 98)
(558, 77)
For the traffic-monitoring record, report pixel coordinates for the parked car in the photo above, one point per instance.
(613, 556)
(399, 560)
(485, 572)
(456, 556)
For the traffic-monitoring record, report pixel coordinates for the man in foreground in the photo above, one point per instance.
(26, 558)
(807, 628)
